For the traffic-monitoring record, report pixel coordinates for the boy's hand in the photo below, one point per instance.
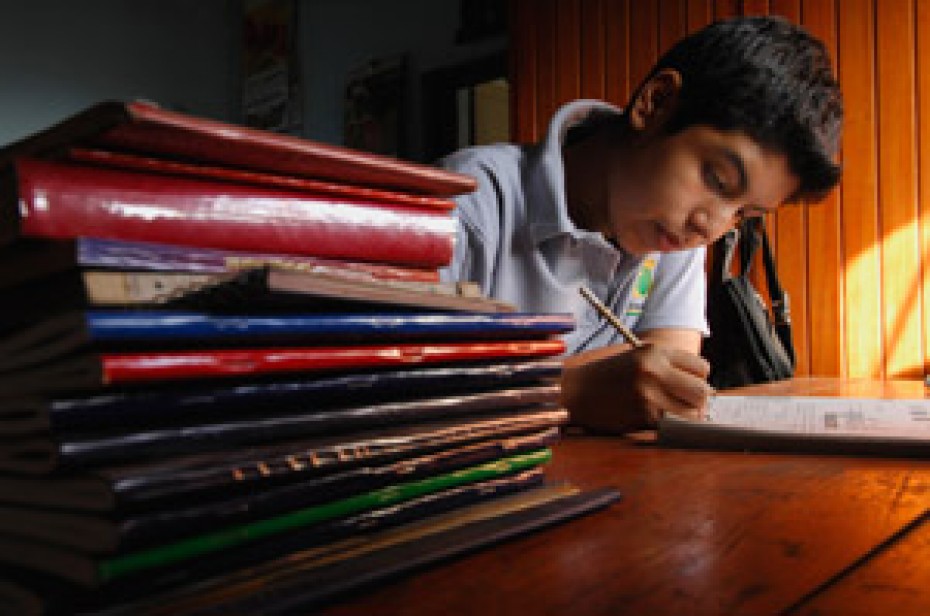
(632, 388)
(664, 380)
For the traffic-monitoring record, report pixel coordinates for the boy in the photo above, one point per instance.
(733, 121)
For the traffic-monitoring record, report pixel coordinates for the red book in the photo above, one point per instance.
(123, 160)
(93, 370)
(65, 201)
(146, 128)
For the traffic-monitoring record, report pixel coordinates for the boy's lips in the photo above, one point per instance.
(667, 242)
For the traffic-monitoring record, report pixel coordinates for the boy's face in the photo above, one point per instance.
(684, 190)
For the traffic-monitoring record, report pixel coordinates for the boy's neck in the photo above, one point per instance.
(587, 166)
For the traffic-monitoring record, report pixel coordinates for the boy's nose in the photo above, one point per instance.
(709, 223)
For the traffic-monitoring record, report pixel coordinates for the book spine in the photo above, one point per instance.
(164, 326)
(109, 253)
(153, 129)
(151, 528)
(191, 438)
(138, 487)
(67, 201)
(120, 368)
(122, 160)
(136, 562)
(148, 407)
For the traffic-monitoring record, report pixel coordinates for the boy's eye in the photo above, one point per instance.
(713, 180)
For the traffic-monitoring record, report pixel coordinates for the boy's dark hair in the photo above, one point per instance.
(770, 79)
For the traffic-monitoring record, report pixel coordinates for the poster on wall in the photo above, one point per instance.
(374, 106)
(271, 94)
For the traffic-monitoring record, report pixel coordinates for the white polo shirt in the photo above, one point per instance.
(517, 242)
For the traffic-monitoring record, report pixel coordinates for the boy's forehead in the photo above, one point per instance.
(769, 178)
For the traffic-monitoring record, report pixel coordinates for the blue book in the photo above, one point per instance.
(62, 334)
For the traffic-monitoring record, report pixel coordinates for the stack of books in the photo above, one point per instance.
(231, 380)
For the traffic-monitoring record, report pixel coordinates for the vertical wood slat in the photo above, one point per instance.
(593, 46)
(755, 7)
(567, 51)
(859, 185)
(617, 50)
(673, 23)
(791, 249)
(898, 186)
(644, 39)
(523, 36)
(726, 8)
(923, 113)
(700, 13)
(547, 35)
(825, 266)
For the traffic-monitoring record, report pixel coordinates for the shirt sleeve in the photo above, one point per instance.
(477, 213)
(677, 299)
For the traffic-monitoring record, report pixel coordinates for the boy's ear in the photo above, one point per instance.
(655, 100)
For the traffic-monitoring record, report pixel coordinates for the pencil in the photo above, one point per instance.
(610, 316)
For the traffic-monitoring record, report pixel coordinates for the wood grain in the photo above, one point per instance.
(697, 533)
(617, 48)
(593, 49)
(923, 144)
(568, 51)
(523, 28)
(673, 23)
(792, 250)
(825, 267)
(892, 581)
(644, 40)
(546, 65)
(897, 168)
(859, 184)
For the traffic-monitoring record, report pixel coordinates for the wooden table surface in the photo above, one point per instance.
(698, 533)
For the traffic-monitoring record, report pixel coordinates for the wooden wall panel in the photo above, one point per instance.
(593, 49)
(523, 85)
(859, 185)
(897, 187)
(726, 8)
(857, 266)
(825, 267)
(673, 22)
(755, 7)
(546, 42)
(700, 13)
(617, 48)
(644, 39)
(568, 51)
(923, 141)
(791, 246)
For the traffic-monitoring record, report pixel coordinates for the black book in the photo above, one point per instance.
(99, 534)
(326, 540)
(91, 571)
(166, 406)
(163, 483)
(44, 453)
(303, 580)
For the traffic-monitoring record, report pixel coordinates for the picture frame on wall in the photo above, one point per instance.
(271, 89)
(374, 106)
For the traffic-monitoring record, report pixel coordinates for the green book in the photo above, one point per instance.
(91, 572)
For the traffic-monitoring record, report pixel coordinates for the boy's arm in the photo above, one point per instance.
(619, 388)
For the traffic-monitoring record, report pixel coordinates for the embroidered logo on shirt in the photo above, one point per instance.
(641, 287)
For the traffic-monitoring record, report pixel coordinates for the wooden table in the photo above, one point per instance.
(699, 533)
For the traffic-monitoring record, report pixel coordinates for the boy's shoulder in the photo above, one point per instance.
(498, 156)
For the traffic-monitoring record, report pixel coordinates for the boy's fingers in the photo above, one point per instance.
(689, 362)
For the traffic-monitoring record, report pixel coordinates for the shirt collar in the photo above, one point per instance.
(547, 209)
